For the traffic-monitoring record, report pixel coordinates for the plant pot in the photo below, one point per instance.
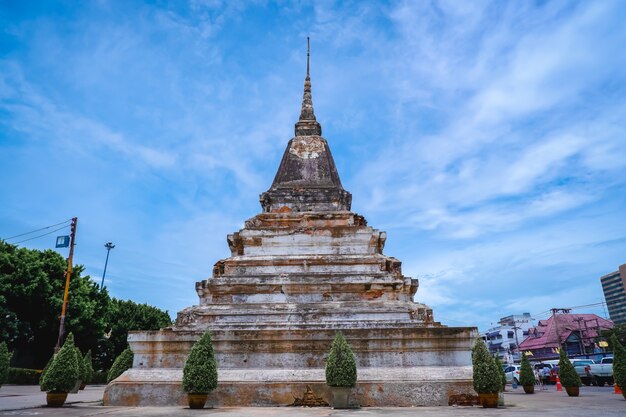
(82, 386)
(197, 401)
(488, 400)
(529, 389)
(341, 397)
(572, 391)
(56, 399)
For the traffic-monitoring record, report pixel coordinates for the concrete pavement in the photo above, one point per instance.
(593, 401)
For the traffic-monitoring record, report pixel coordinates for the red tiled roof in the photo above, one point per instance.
(566, 324)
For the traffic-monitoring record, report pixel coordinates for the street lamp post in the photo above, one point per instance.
(109, 246)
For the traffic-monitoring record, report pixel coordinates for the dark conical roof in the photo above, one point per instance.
(307, 178)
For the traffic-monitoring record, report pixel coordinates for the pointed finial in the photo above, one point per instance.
(307, 125)
(308, 55)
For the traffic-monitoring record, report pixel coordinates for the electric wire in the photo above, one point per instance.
(37, 230)
(36, 237)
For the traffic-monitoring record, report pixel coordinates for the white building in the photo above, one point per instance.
(505, 338)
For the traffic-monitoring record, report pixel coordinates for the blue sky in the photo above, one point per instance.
(487, 138)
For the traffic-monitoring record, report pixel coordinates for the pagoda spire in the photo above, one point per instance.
(307, 124)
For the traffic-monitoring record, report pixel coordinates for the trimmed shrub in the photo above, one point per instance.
(45, 369)
(200, 371)
(501, 369)
(23, 376)
(5, 359)
(88, 368)
(526, 374)
(341, 364)
(121, 364)
(62, 374)
(567, 372)
(487, 378)
(80, 362)
(619, 363)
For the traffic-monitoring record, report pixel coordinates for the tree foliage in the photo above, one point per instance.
(5, 359)
(619, 363)
(200, 371)
(567, 372)
(619, 331)
(63, 372)
(31, 295)
(341, 364)
(121, 364)
(526, 374)
(487, 378)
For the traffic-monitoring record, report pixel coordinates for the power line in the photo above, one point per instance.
(38, 230)
(36, 237)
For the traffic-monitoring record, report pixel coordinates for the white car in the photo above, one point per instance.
(512, 373)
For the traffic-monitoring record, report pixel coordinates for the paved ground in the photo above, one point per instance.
(593, 402)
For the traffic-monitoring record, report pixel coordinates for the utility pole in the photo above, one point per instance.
(556, 323)
(515, 329)
(68, 273)
(109, 246)
(580, 332)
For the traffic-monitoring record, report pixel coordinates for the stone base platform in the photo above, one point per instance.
(377, 387)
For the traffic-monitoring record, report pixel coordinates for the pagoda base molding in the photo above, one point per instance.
(376, 387)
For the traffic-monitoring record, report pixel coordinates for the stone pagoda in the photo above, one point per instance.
(299, 272)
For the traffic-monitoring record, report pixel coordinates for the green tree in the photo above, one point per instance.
(31, 294)
(5, 360)
(619, 330)
(200, 371)
(341, 364)
(63, 372)
(32, 283)
(121, 364)
(487, 379)
(567, 372)
(526, 374)
(619, 363)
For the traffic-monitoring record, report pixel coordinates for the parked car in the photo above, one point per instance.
(582, 366)
(601, 373)
(512, 374)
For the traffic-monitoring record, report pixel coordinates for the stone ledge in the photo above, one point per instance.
(159, 387)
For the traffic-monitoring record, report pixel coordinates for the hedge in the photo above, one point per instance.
(23, 376)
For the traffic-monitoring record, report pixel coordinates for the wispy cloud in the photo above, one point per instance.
(486, 137)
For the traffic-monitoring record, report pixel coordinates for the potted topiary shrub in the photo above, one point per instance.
(200, 372)
(62, 374)
(527, 376)
(487, 378)
(5, 359)
(502, 374)
(619, 364)
(341, 371)
(87, 369)
(81, 370)
(568, 376)
(45, 369)
(123, 362)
